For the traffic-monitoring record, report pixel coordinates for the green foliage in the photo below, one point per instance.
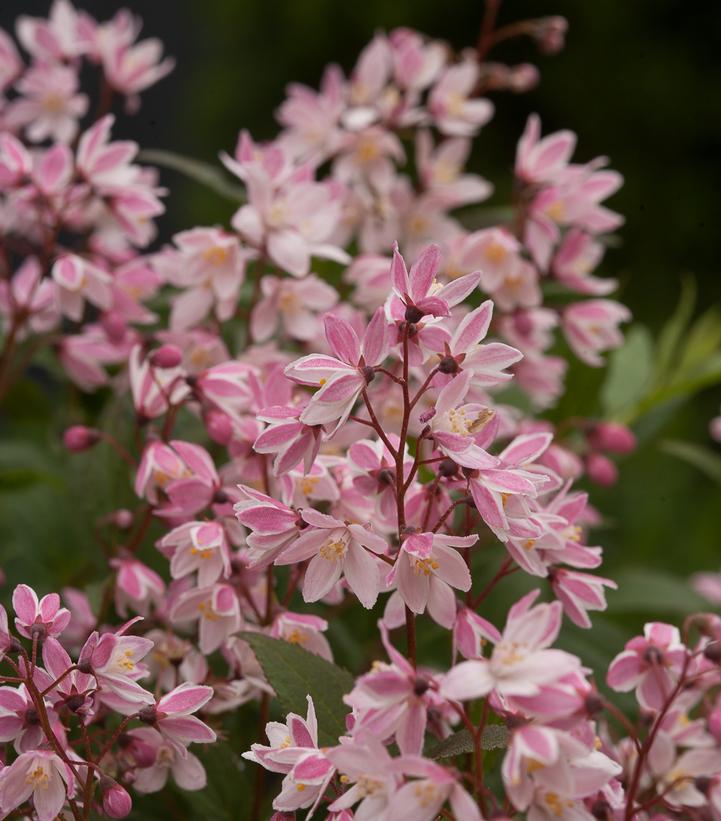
(209, 176)
(493, 737)
(294, 674)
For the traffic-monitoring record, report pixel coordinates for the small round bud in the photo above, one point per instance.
(116, 799)
(612, 437)
(79, 438)
(123, 518)
(114, 326)
(448, 365)
(601, 470)
(386, 477)
(166, 356)
(550, 34)
(219, 426)
(220, 497)
(523, 78)
(75, 702)
(413, 314)
(85, 666)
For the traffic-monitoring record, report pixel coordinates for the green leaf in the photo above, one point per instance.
(629, 372)
(700, 457)
(493, 737)
(672, 332)
(201, 172)
(21, 478)
(294, 673)
(652, 591)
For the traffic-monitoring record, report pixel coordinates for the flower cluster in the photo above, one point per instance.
(336, 400)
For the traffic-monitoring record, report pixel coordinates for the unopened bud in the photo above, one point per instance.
(523, 78)
(114, 326)
(123, 518)
(550, 34)
(601, 470)
(116, 799)
(219, 426)
(167, 356)
(712, 652)
(448, 365)
(79, 438)
(612, 437)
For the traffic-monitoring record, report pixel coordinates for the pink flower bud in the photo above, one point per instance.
(79, 438)
(116, 800)
(122, 518)
(601, 470)
(550, 34)
(219, 426)
(523, 78)
(612, 437)
(114, 326)
(167, 356)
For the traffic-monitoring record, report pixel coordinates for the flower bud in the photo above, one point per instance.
(523, 78)
(122, 518)
(167, 356)
(79, 438)
(612, 437)
(116, 799)
(601, 470)
(550, 34)
(114, 326)
(219, 426)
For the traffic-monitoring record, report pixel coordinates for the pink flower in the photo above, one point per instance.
(38, 619)
(130, 67)
(427, 568)
(591, 328)
(575, 261)
(543, 160)
(422, 798)
(288, 438)
(292, 304)
(521, 662)
(650, 664)
(50, 106)
(53, 39)
(171, 715)
(114, 660)
(39, 774)
(579, 593)
(452, 105)
(17, 710)
(159, 759)
(200, 547)
(218, 610)
(393, 700)
(75, 689)
(294, 751)
(495, 488)
(418, 290)
(366, 764)
(136, 585)
(303, 629)
(488, 362)
(274, 525)
(36, 297)
(336, 549)
(471, 632)
(210, 267)
(288, 215)
(154, 389)
(441, 170)
(344, 375)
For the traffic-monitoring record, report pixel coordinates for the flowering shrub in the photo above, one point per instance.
(339, 399)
